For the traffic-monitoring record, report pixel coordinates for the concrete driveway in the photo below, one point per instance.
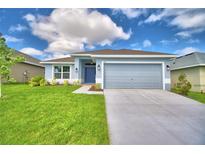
(153, 117)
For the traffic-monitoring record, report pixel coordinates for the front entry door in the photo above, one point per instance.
(90, 74)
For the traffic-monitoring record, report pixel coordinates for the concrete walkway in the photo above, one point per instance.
(153, 117)
(85, 90)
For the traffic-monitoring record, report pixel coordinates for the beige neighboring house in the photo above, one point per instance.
(24, 71)
(193, 65)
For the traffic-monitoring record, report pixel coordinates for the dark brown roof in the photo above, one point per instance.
(28, 58)
(66, 59)
(122, 52)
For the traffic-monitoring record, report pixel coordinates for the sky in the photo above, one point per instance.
(54, 33)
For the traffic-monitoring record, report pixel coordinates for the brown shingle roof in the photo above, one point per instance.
(65, 59)
(107, 52)
(122, 52)
(28, 59)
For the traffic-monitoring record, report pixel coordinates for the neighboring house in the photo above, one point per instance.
(113, 69)
(24, 71)
(193, 65)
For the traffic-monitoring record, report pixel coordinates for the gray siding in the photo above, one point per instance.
(48, 72)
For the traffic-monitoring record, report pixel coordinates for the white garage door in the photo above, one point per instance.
(133, 76)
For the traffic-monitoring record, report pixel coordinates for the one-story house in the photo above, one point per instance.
(24, 71)
(193, 65)
(113, 69)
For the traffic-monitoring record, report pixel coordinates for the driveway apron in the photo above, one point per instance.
(138, 116)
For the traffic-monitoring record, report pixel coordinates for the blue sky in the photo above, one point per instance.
(51, 33)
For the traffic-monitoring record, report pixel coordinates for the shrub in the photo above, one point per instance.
(182, 86)
(97, 86)
(12, 80)
(35, 81)
(54, 82)
(43, 82)
(65, 82)
(76, 82)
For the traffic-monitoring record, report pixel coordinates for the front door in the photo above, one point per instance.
(90, 74)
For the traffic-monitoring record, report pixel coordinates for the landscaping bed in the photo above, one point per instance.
(93, 88)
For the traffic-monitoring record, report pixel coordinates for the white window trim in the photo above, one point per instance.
(134, 62)
(61, 72)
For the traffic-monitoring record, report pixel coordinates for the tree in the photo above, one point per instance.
(7, 59)
(183, 85)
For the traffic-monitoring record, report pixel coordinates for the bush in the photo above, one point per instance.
(43, 82)
(182, 86)
(35, 81)
(54, 82)
(76, 82)
(97, 86)
(65, 82)
(12, 80)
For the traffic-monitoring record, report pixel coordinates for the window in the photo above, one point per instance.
(61, 72)
(66, 72)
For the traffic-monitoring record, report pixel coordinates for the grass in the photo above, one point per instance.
(197, 96)
(51, 115)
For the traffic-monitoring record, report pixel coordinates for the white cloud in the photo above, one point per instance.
(12, 38)
(191, 41)
(165, 13)
(191, 21)
(31, 51)
(17, 28)
(134, 44)
(166, 42)
(187, 50)
(130, 12)
(147, 43)
(188, 33)
(29, 17)
(68, 30)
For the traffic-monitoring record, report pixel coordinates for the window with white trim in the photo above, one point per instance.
(61, 72)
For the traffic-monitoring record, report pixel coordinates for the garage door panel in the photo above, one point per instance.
(133, 76)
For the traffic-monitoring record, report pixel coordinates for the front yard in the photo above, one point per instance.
(197, 96)
(51, 115)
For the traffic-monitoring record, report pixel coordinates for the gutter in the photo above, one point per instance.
(134, 56)
(57, 62)
(125, 56)
(178, 68)
(31, 63)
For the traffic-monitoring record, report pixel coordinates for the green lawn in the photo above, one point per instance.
(197, 96)
(51, 115)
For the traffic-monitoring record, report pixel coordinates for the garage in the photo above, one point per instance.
(131, 76)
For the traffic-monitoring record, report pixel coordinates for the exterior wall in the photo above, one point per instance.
(79, 65)
(193, 76)
(77, 72)
(99, 74)
(49, 73)
(202, 78)
(18, 69)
